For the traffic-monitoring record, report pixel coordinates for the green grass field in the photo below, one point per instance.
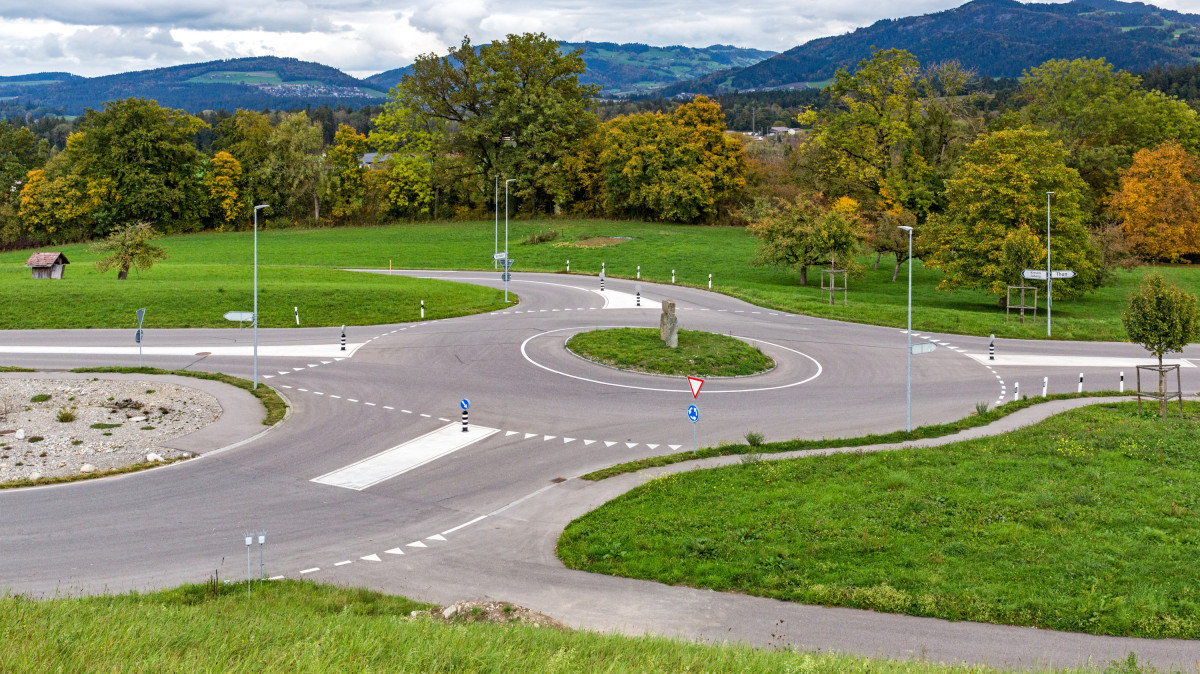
(1084, 522)
(298, 267)
(289, 626)
(701, 354)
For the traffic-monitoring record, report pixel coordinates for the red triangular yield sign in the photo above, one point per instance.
(695, 384)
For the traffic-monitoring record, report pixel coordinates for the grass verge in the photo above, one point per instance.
(700, 354)
(296, 626)
(918, 433)
(1083, 522)
(208, 274)
(274, 404)
(13, 368)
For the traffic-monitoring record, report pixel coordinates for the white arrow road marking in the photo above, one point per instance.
(652, 446)
(508, 433)
(674, 446)
(394, 551)
(417, 544)
(436, 537)
(609, 444)
(326, 362)
(297, 369)
(588, 442)
(268, 376)
(371, 558)
(631, 445)
(284, 372)
(530, 435)
(547, 438)
(566, 440)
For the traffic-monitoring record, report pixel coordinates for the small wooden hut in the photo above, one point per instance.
(47, 265)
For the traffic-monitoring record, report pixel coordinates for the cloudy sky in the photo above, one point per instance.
(363, 37)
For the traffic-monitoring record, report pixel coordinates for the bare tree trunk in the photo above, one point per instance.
(896, 271)
(316, 210)
(123, 273)
(878, 256)
(803, 274)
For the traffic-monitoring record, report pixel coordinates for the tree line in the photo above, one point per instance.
(966, 162)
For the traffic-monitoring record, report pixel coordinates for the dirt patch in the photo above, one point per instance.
(599, 241)
(492, 612)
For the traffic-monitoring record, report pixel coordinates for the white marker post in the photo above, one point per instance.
(1016, 390)
(568, 266)
(1080, 383)
(672, 277)
(422, 309)
(710, 281)
(639, 274)
(1122, 382)
(297, 310)
(262, 538)
(1045, 385)
(249, 542)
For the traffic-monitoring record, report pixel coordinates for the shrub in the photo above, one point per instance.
(40, 398)
(65, 414)
(755, 439)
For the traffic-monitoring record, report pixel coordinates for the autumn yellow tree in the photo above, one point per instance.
(1158, 202)
(227, 208)
(345, 183)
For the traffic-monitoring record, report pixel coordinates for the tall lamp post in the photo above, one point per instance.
(1049, 281)
(506, 182)
(256, 210)
(496, 236)
(908, 387)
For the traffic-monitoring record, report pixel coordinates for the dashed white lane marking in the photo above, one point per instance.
(312, 570)
(353, 400)
(403, 458)
(508, 433)
(343, 563)
(388, 408)
(350, 399)
(369, 404)
(277, 577)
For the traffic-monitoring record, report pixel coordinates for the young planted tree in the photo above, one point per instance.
(1158, 202)
(128, 247)
(1163, 319)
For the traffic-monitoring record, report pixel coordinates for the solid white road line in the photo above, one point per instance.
(463, 526)
(288, 351)
(403, 458)
(1072, 361)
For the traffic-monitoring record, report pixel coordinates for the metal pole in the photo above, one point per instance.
(908, 384)
(464, 421)
(506, 182)
(256, 209)
(496, 237)
(1049, 281)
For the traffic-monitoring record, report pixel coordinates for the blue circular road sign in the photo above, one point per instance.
(693, 413)
(464, 403)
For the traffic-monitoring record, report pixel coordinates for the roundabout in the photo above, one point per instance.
(482, 520)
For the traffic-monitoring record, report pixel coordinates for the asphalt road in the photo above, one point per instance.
(482, 521)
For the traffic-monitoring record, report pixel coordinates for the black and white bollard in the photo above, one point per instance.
(602, 267)
(422, 309)
(672, 276)
(1080, 383)
(1016, 390)
(1045, 385)
(601, 281)
(1122, 382)
(568, 266)
(992, 348)
(464, 419)
(343, 338)
(639, 298)
(710, 281)
(297, 309)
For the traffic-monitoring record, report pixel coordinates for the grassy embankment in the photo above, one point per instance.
(292, 626)
(701, 354)
(1084, 522)
(208, 274)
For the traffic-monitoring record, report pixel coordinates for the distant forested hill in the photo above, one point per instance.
(252, 83)
(997, 38)
(634, 68)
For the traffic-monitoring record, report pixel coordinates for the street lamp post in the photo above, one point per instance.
(1049, 281)
(506, 267)
(908, 386)
(256, 210)
(496, 234)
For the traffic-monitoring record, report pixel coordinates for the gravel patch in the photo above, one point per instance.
(115, 424)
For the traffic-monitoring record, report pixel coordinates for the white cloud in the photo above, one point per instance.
(95, 37)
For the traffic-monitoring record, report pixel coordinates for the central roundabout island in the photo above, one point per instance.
(699, 354)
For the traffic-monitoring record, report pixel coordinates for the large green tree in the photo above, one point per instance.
(994, 224)
(680, 168)
(803, 233)
(141, 164)
(1103, 116)
(20, 153)
(514, 108)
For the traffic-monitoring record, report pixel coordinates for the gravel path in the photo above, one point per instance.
(114, 424)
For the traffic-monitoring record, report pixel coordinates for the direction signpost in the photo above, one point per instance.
(694, 415)
(1048, 275)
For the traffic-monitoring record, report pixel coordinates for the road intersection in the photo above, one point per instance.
(482, 519)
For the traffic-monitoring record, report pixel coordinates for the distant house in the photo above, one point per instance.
(47, 265)
(373, 160)
(784, 131)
